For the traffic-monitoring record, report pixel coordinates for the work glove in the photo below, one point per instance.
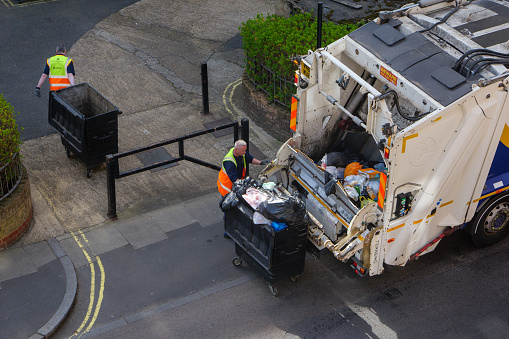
(265, 162)
(38, 92)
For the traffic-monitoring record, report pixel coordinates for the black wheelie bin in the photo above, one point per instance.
(276, 255)
(87, 123)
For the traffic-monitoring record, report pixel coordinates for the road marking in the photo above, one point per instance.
(92, 287)
(79, 332)
(92, 272)
(233, 85)
(101, 290)
(38, 2)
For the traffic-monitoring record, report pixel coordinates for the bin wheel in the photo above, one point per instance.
(237, 261)
(67, 152)
(274, 290)
(89, 172)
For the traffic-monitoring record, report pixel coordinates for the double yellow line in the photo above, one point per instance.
(38, 2)
(81, 329)
(228, 96)
(102, 275)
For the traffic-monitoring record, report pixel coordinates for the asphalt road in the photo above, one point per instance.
(185, 286)
(30, 33)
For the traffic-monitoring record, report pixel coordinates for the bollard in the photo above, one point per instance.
(244, 135)
(205, 88)
(319, 26)
(111, 170)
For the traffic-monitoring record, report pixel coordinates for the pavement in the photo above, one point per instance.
(146, 60)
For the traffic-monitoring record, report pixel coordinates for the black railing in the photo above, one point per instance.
(10, 176)
(113, 168)
(278, 88)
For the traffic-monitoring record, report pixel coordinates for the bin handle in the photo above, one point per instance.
(104, 136)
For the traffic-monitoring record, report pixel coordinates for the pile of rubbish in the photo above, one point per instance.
(272, 204)
(359, 178)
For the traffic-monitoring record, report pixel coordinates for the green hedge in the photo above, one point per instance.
(10, 140)
(272, 40)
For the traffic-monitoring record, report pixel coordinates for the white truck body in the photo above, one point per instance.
(450, 160)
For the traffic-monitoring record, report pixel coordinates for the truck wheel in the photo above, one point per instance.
(491, 223)
(237, 261)
(274, 290)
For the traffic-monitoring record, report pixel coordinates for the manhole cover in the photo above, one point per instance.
(156, 155)
(393, 293)
(255, 152)
(217, 123)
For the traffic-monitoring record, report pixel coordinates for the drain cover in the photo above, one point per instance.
(217, 123)
(393, 293)
(255, 152)
(154, 156)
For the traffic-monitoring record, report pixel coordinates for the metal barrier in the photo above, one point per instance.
(10, 176)
(112, 167)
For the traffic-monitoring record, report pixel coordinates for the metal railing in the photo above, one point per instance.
(263, 78)
(10, 176)
(112, 167)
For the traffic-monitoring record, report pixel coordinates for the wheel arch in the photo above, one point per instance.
(471, 226)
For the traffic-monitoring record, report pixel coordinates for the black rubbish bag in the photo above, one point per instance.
(229, 201)
(283, 208)
(234, 197)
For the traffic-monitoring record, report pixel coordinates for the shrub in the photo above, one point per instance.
(9, 134)
(10, 165)
(273, 40)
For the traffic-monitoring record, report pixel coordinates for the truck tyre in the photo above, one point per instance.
(491, 223)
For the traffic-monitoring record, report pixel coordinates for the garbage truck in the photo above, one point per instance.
(401, 134)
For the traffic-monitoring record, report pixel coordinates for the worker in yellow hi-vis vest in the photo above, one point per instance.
(234, 166)
(60, 70)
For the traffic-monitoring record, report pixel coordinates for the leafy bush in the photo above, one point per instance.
(272, 41)
(9, 134)
(10, 165)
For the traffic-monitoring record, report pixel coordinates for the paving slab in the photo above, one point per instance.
(172, 217)
(140, 232)
(15, 263)
(205, 210)
(105, 239)
(40, 253)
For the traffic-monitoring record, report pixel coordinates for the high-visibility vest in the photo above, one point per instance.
(58, 72)
(224, 184)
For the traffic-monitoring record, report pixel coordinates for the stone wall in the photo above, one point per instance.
(273, 118)
(16, 213)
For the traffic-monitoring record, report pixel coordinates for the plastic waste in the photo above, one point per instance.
(336, 159)
(380, 167)
(352, 193)
(340, 172)
(356, 180)
(371, 193)
(278, 226)
(229, 201)
(254, 197)
(365, 201)
(374, 185)
(259, 219)
(269, 185)
(352, 169)
(283, 208)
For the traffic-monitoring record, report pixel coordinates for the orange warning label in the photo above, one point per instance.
(388, 75)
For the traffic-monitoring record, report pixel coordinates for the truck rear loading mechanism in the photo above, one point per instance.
(421, 95)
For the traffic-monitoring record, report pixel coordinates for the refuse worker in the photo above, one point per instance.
(234, 166)
(60, 70)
